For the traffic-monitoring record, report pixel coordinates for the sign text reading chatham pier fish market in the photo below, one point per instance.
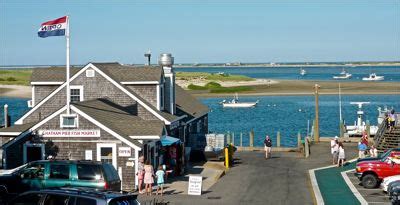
(69, 133)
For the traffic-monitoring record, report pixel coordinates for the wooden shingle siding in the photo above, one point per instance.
(42, 91)
(148, 92)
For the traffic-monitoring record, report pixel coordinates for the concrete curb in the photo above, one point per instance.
(353, 188)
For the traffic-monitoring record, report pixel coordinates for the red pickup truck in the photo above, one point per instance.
(371, 171)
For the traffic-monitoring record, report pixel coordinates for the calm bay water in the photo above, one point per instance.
(287, 114)
(391, 73)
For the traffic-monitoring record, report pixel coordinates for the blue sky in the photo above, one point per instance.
(203, 31)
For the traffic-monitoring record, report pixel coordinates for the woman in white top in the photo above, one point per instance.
(342, 155)
(373, 151)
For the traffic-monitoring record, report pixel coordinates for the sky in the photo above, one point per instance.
(204, 31)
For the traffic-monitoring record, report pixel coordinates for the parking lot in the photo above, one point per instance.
(372, 196)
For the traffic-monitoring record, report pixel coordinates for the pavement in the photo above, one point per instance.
(283, 179)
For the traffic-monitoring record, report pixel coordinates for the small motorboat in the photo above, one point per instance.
(343, 76)
(373, 77)
(235, 103)
(303, 72)
(343, 72)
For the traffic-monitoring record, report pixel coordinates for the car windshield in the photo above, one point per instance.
(12, 171)
(385, 155)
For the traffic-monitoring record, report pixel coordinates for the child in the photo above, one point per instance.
(342, 156)
(160, 179)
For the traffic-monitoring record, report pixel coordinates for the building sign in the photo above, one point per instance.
(70, 133)
(88, 155)
(195, 183)
(124, 152)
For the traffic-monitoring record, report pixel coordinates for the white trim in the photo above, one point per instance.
(147, 137)
(158, 96)
(315, 187)
(136, 167)
(97, 141)
(196, 118)
(114, 152)
(140, 83)
(33, 96)
(80, 88)
(162, 97)
(36, 126)
(10, 133)
(76, 121)
(97, 123)
(20, 120)
(353, 188)
(46, 83)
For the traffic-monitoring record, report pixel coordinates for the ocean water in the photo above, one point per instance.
(391, 73)
(286, 114)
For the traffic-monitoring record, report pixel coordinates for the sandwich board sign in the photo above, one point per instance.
(195, 185)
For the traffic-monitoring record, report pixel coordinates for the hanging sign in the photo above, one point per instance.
(195, 184)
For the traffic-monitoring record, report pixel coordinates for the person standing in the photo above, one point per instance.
(140, 174)
(148, 177)
(267, 147)
(361, 150)
(160, 179)
(342, 155)
(373, 152)
(335, 149)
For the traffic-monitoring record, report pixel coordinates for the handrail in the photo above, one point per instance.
(380, 132)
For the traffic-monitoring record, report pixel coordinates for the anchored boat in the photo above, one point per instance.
(303, 72)
(373, 77)
(343, 76)
(359, 126)
(235, 103)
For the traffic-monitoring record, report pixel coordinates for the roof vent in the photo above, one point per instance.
(166, 59)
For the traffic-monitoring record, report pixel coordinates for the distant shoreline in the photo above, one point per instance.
(287, 65)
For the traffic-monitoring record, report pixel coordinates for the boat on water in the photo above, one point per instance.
(235, 103)
(303, 72)
(343, 72)
(373, 77)
(359, 126)
(343, 76)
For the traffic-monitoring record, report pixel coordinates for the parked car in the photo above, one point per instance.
(60, 173)
(73, 196)
(381, 156)
(394, 196)
(387, 180)
(372, 172)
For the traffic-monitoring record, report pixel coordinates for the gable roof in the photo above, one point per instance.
(121, 73)
(16, 129)
(189, 105)
(116, 118)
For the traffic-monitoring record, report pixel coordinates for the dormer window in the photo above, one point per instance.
(76, 93)
(68, 121)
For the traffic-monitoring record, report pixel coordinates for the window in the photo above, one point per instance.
(162, 97)
(76, 93)
(33, 171)
(89, 172)
(85, 201)
(59, 171)
(28, 199)
(55, 199)
(69, 120)
(89, 73)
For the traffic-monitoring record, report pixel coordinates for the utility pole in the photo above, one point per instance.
(316, 129)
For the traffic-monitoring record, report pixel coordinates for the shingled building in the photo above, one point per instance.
(117, 113)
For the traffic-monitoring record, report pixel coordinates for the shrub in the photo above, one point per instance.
(11, 79)
(2, 79)
(231, 89)
(212, 85)
(196, 87)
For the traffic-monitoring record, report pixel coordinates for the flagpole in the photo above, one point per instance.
(67, 66)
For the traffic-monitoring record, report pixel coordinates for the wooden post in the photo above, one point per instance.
(228, 138)
(306, 147)
(316, 128)
(233, 139)
(251, 138)
(278, 139)
(241, 139)
(299, 141)
(368, 129)
(341, 128)
(226, 157)
(6, 118)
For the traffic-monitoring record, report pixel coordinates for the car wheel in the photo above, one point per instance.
(369, 181)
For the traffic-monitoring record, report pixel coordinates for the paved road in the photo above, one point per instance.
(254, 180)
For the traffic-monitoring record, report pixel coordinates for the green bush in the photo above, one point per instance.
(231, 89)
(2, 79)
(11, 79)
(197, 87)
(211, 85)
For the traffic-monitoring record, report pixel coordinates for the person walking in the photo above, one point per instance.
(160, 179)
(361, 150)
(335, 149)
(140, 174)
(373, 152)
(342, 155)
(148, 177)
(267, 147)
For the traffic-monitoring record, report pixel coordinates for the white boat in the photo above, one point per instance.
(343, 76)
(360, 126)
(235, 103)
(373, 77)
(343, 72)
(303, 72)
